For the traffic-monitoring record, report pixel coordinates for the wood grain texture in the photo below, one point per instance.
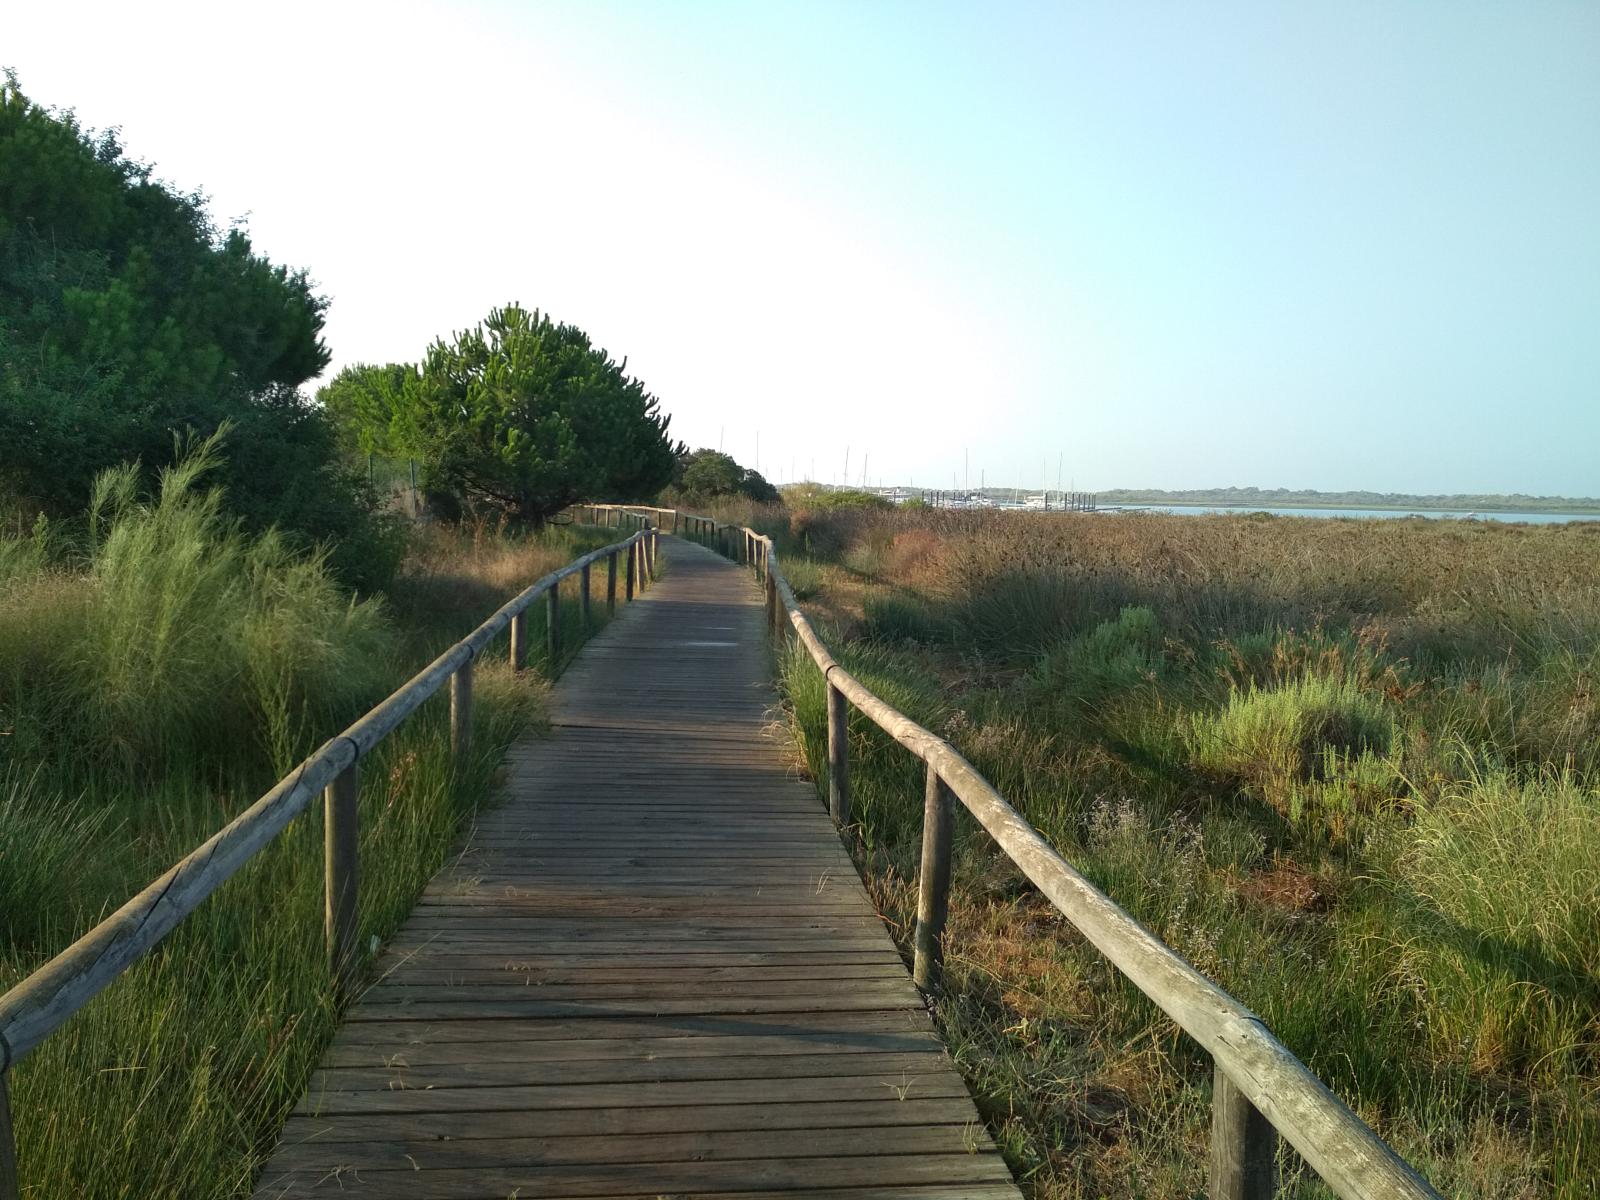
(652, 971)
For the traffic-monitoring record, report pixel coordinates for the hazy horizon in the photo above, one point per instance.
(1353, 245)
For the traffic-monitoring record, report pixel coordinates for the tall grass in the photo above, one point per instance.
(159, 668)
(1348, 769)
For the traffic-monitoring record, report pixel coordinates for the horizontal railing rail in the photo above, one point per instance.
(1260, 1088)
(38, 1005)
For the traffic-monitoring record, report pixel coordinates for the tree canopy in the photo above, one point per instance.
(707, 474)
(519, 414)
(128, 318)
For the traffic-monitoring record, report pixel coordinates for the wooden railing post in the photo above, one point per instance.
(341, 840)
(838, 757)
(1244, 1146)
(611, 584)
(461, 715)
(552, 629)
(583, 598)
(633, 566)
(519, 640)
(10, 1184)
(933, 882)
(774, 609)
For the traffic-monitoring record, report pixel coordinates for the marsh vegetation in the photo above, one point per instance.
(1350, 769)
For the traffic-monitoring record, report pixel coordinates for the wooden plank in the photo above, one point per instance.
(935, 1085)
(624, 1124)
(432, 1154)
(841, 1045)
(447, 956)
(406, 1033)
(648, 1179)
(512, 987)
(532, 1006)
(401, 1073)
(519, 975)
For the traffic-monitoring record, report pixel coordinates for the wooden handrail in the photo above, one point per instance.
(38, 1005)
(1260, 1085)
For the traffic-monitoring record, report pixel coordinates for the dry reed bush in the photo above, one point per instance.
(173, 635)
(1210, 573)
(455, 576)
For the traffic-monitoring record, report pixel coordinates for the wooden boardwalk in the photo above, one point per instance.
(651, 972)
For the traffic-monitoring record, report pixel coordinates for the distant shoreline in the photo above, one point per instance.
(1551, 510)
(1250, 498)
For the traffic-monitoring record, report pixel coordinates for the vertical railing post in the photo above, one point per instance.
(676, 515)
(340, 842)
(838, 756)
(519, 640)
(611, 584)
(461, 715)
(633, 565)
(10, 1183)
(774, 624)
(1244, 1146)
(933, 882)
(583, 598)
(655, 549)
(552, 626)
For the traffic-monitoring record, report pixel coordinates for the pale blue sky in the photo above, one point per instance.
(1336, 246)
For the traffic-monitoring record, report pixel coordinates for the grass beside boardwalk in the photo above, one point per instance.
(158, 671)
(1349, 769)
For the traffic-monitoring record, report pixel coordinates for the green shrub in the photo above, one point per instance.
(183, 636)
(1506, 870)
(1115, 656)
(804, 576)
(1316, 748)
(895, 617)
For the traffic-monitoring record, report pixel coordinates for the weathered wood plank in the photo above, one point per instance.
(398, 1075)
(935, 1085)
(432, 1154)
(627, 1123)
(416, 1032)
(631, 1049)
(956, 1175)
